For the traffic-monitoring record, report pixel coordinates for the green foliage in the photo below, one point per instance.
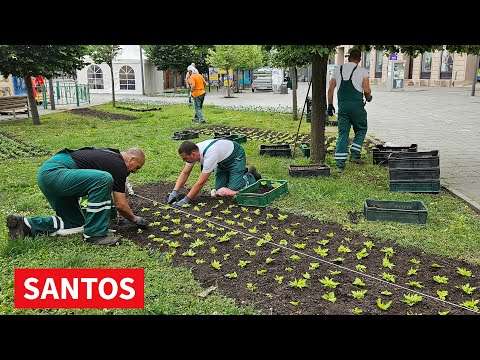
(442, 294)
(440, 279)
(359, 294)
(464, 272)
(172, 57)
(412, 299)
(382, 305)
(329, 282)
(300, 283)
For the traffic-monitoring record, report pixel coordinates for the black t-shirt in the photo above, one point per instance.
(109, 160)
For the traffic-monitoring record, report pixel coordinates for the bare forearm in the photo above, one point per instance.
(182, 179)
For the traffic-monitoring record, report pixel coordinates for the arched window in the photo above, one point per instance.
(95, 77)
(127, 78)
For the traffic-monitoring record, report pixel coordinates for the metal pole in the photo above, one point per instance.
(475, 75)
(141, 70)
(51, 94)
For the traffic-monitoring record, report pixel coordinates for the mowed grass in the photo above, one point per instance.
(452, 229)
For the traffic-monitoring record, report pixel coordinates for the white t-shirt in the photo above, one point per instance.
(215, 153)
(357, 78)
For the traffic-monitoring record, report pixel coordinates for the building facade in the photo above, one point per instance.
(133, 74)
(438, 68)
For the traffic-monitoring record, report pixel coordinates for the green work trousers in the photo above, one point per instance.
(231, 173)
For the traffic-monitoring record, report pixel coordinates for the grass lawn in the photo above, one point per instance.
(452, 229)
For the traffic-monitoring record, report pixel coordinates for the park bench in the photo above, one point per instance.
(13, 104)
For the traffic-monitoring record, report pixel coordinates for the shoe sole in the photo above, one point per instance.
(14, 224)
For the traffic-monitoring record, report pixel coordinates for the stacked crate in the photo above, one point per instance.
(382, 152)
(414, 171)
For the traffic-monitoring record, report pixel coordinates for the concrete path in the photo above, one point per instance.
(435, 118)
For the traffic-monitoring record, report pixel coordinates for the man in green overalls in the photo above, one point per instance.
(70, 175)
(353, 83)
(224, 157)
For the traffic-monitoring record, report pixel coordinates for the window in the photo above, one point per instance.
(95, 77)
(426, 65)
(127, 78)
(447, 64)
(378, 64)
(366, 60)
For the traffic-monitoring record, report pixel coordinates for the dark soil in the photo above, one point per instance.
(261, 245)
(308, 167)
(103, 115)
(262, 189)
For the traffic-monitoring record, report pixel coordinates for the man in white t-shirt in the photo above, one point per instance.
(226, 158)
(187, 81)
(353, 84)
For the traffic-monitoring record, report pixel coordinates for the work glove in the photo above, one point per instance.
(172, 197)
(368, 98)
(330, 110)
(141, 222)
(178, 204)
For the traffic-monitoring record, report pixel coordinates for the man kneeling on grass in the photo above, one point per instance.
(226, 158)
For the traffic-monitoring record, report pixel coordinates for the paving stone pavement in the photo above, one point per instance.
(436, 118)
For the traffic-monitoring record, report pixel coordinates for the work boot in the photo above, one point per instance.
(17, 229)
(252, 170)
(357, 161)
(107, 240)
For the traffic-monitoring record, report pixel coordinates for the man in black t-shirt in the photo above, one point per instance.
(69, 175)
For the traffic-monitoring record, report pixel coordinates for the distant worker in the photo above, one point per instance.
(353, 84)
(197, 86)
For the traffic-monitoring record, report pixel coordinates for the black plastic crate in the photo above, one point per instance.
(276, 150)
(409, 212)
(418, 186)
(381, 152)
(309, 170)
(414, 162)
(185, 135)
(410, 154)
(414, 174)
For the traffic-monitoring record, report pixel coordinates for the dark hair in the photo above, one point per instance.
(187, 147)
(354, 54)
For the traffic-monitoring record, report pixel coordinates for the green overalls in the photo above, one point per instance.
(351, 112)
(230, 172)
(63, 184)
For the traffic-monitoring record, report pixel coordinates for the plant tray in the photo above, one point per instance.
(309, 170)
(239, 138)
(248, 197)
(413, 162)
(414, 174)
(276, 150)
(418, 186)
(184, 135)
(411, 154)
(305, 149)
(409, 212)
(381, 153)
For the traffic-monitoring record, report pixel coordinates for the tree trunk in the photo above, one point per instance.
(293, 73)
(319, 105)
(113, 84)
(236, 87)
(31, 101)
(175, 74)
(228, 84)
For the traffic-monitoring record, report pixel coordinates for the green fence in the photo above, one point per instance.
(67, 93)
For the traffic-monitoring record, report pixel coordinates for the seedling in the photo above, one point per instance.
(282, 217)
(261, 272)
(467, 289)
(328, 282)
(288, 269)
(223, 238)
(389, 277)
(278, 279)
(189, 252)
(320, 251)
(387, 263)
(269, 260)
(416, 284)
(415, 261)
(199, 261)
(440, 279)
(200, 230)
(443, 312)
(256, 212)
(369, 244)
(334, 272)
(252, 287)
(362, 254)
(338, 259)
(225, 211)
(237, 246)
(241, 224)
(329, 297)
(314, 230)
(359, 294)
(306, 275)
(274, 227)
(330, 235)
(386, 292)
(268, 216)
(360, 267)
(229, 222)
(213, 249)
(442, 294)
(383, 306)
(144, 209)
(283, 242)
(187, 226)
(347, 239)
(300, 283)
(358, 282)
(253, 230)
(412, 271)
(464, 272)
(472, 304)
(208, 213)
(175, 232)
(225, 256)
(250, 252)
(216, 264)
(202, 204)
(388, 251)
(198, 220)
(248, 218)
(173, 244)
(236, 216)
(276, 185)
(274, 251)
(210, 235)
(164, 228)
(263, 183)
(196, 208)
(300, 246)
(290, 232)
(313, 266)
(244, 209)
(243, 263)
(357, 311)
(196, 243)
(323, 242)
(185, 235)
(294, 257)
(344, 249)
(294, 303)
(436, 265)
(411, 299)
